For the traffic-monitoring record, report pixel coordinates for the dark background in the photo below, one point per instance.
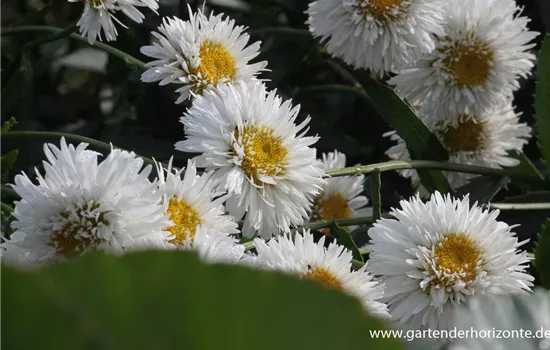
(56, 91)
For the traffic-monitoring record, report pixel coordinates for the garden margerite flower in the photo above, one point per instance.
(99, 15)
(329, 266)
(381, 35)
(485, 141)
(192, 202)
(214, 248)
(341, 197)
(249, 138)
(200, 54)
(80, 206)
(434, 256)
(476, 64)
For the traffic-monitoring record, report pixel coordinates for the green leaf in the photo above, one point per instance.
(421, 142)
(542, 255)
(171, 300)
(8, 160)
(344, 238)
(542, 102)
(482, 189)
(525, 165)
(9, 124)
(26, 68)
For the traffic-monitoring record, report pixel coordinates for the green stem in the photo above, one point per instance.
(446, 166)
(109, 49)
(375, 194)
(519, 206)
(71, 137)
(6, 208)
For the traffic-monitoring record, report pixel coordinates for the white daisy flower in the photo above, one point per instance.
(484, 141)
(214, 248)
(329, 266)
(80, 206)
(509, 315)
(381, 35)
(98, 15)
(249, 138)
(434, 256)
(200, 54)
(192, 202)
(477, 61)
(341, 197)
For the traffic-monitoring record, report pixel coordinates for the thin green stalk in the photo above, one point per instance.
(375, 184)
(519, 206)
(6, 208)
(71, 137)
(446, 166)
(109, 49)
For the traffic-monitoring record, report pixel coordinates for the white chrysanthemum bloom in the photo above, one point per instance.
(341, 197)
(331, 267)
(192, 202)
(214, 248)
(200, 54)
(476, 63)
(80, 206)
(484, 141)
(507, 315)
(381, 35)
(98, 15)
(434, 256)
(249, 138)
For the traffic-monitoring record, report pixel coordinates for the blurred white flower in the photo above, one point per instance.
(509, 315)
(434, 256)
(200, 54)
(341, 197)
(331, 267)
(249, 138)
(99, 15)
(485, 141)
(80, 206)
(381, 35)
(476, 63)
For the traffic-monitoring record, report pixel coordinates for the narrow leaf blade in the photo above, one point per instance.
(542, 102)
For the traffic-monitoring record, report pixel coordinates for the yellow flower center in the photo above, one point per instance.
(78, 234)
(265, 154)
(469, 64)
(467, 135)
(322, 276)
(384, 10)
(216, 63)
(334, 207)
(457, 257)
(186, 220)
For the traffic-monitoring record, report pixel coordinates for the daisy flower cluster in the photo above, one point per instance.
(457, 61)
(255, 174)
